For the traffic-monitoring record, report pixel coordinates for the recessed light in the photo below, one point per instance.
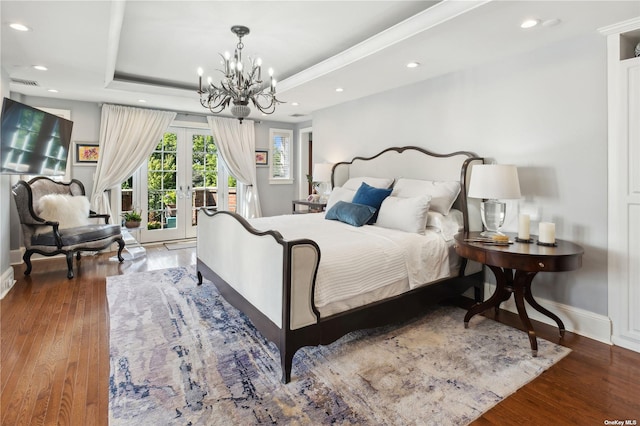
(52, 91)
(295, 103)
(413, 64)
(339, 89)
(142, 101)
(19, 27)
(40, 67)
(529, 23)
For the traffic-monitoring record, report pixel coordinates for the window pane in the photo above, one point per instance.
(205, 175)
(161, 181)
(126, 194)
(281, 147)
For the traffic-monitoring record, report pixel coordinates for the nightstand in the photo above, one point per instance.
(314, 206)
(514, 266)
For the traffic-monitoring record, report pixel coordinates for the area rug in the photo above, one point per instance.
(179, 354)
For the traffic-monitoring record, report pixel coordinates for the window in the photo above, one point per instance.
(183, 174)
(280, 153)
(126, 197)
(162, 170)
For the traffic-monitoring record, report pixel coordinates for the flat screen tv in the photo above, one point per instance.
(33, 142)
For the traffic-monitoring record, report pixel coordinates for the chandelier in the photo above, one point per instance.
(239, 87)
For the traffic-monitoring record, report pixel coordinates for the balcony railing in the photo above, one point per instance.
(164, 216)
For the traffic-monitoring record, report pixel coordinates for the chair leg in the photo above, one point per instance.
(78, 255)
(70, 264)
(120, 248)
(27, 260)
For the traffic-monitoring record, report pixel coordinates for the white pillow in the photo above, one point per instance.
(354, 183)
(443, 194)
(404, 214)
(340, 193)
(448, 225)
(70, 211)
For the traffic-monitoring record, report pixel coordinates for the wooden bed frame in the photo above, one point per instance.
(263, 282)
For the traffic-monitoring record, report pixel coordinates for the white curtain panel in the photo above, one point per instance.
(236, 144)
(127, 138)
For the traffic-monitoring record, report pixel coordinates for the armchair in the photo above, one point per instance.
(56, 230)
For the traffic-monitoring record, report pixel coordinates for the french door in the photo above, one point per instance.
(181, 176)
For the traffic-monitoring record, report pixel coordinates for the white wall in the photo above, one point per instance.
(544, 112)
(275, 199)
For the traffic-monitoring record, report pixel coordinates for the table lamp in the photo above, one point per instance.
(493, 182)
(322, 175)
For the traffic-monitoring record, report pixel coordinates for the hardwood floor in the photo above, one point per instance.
(54, 357)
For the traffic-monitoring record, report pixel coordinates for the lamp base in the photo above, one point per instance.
(492, 213)
(325, 191)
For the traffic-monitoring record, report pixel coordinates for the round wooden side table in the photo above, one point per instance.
(514, 266)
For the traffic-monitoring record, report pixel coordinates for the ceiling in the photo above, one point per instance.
(126, 51)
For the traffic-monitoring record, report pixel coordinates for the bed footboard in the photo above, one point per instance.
(254, 271)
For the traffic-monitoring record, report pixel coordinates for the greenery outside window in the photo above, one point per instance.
(126, 197)
(281, 156)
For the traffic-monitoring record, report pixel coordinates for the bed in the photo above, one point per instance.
(304, 280)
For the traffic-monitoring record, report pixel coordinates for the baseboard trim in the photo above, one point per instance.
(626, 342)
(576, 320)
(15, 256)
(6, 282)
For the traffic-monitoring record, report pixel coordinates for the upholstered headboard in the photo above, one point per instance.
(417, 163)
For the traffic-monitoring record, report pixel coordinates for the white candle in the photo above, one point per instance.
(523, 227)
(547, 232)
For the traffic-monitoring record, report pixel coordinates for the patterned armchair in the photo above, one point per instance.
(61, 223)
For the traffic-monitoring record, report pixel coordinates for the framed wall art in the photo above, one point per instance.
(262, 157)
(86, 153)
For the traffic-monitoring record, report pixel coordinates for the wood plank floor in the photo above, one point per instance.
(54, 357)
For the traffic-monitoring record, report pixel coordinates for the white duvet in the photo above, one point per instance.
(354, 261)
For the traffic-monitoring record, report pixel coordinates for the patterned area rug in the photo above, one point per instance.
(181, 355)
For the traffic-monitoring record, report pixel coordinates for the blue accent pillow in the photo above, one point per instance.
(370, 196)
(353, 214)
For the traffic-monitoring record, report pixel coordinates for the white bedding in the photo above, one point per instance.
(355, 261)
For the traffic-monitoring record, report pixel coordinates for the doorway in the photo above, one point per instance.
(182, 175)
(305, 161)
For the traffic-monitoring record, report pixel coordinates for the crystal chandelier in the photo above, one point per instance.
(239, 87)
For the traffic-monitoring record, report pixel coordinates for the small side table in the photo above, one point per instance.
(526, 260)
(314, 206)
(132, 248)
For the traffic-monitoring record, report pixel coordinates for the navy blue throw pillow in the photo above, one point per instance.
(353, 214)
(370, 196)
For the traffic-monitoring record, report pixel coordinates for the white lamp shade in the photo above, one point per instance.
(494, 181)
(322, 172)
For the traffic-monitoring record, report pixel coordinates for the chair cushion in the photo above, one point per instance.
(78, 235)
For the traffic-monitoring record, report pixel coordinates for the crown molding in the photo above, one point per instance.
(428, 18)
